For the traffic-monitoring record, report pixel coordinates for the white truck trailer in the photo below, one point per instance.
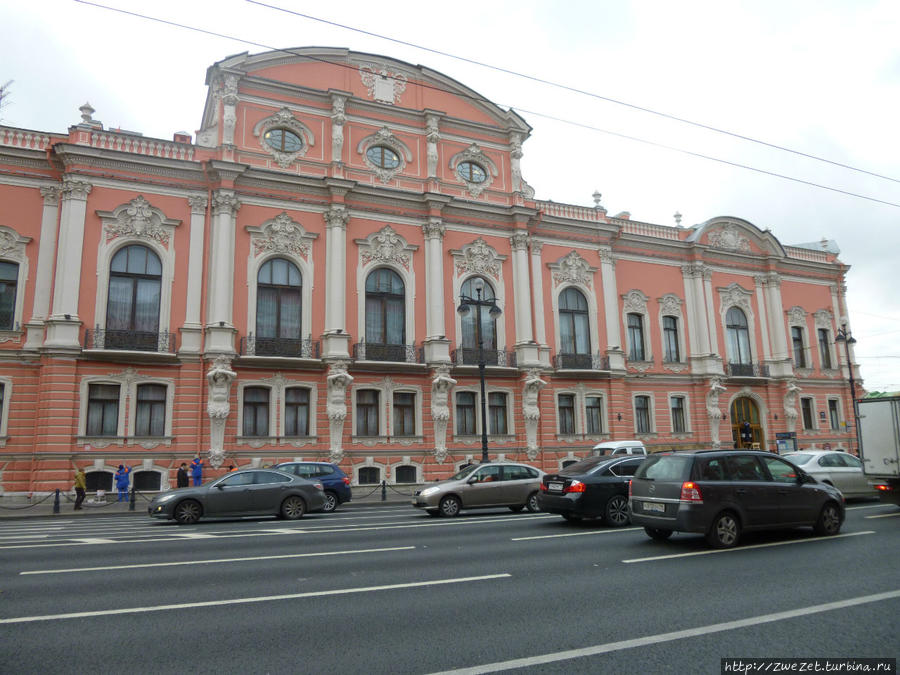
(879, 438)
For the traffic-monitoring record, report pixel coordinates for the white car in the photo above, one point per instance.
(840, 469)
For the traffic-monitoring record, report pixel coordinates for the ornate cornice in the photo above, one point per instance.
(385, 246)
(139, 220)
(281, 234)
(478, 258)
(572, 268)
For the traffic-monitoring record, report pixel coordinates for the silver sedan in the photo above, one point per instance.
(250, 492)
(840, 469)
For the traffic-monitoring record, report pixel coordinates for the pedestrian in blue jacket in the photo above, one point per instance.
(197, 471)
(122, 482)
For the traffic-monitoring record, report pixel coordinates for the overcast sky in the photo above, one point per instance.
(820, 77)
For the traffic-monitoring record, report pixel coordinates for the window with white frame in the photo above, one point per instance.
(797, 345)
(406, 473)
(678, 415)
(808, 413)
(367, 402)
(404, 413)
(834, 415)
(9, 280)
(385, 308)
(296, 411)
(5, 395)
(825, 348)
(368, 475)
(642, 415)
(593, 414)
(738, 337)
(103, 409)
(256, 411)
(671, 349)
(133, 300)
(636, 337)
(574, 332)
(279, 289)
(150, 410)
(497, 412)
(487, 324)
(465, 413)
(566, 413)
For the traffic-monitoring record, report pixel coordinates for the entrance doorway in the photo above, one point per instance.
(746, 431)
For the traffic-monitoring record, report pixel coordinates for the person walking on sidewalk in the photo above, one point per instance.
(122, 482)
(181, 478)
(197, 471)
(80, 485)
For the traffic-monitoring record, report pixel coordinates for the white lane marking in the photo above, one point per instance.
(76, 541)
(243, 601)
(747, 548)
(194, 535)
(885, 515)
(869, 506)
(576, 534)
(668, 637)
(216, 561)
(16, 537)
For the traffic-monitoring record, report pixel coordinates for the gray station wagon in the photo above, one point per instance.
(482, 486)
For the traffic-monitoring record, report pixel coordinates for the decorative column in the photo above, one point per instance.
(614, 348)
(192, 331)
(336, 341)
(338, 381)
(713, 411)
(712, 332)
(440, 409)
(531, 388)
(437, 346)
(219, 329)
(537, 294)
(527, 351)
(43, 282)
(219, 377)
(782, 365)
(63, 326)
(760, 281)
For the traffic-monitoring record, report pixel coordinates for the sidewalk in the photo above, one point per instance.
(12, 508)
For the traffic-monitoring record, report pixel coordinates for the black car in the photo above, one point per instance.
(596, 487)
(722, 493)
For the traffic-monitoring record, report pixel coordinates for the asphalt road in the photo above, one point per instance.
(391, 590)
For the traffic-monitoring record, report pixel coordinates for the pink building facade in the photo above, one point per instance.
(287, 286)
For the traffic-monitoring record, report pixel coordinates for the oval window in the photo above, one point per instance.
(383, 157)
(471, 172)
(283, 140)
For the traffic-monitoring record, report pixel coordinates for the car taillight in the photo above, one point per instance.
(346, 480)
(319, 486)
(629, 489)
(576, 486)
(690, 492)
(883, 487)
(543, 487)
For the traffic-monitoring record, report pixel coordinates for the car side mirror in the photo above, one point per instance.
(220, 486)
(472, 479)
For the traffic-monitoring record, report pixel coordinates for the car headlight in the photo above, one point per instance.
(429, 491)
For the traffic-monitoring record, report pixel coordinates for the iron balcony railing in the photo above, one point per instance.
(568, 361)
(468, 356)
(378, 351)
(747, 370)
(131, 340)
(298, 348)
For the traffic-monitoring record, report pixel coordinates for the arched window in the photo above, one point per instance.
(738, 337)
(132, 308)
(574, 334)
(405, 473)
(486, 323)
(385, 308)
(369, 475)
(9, 277)
(278, 293)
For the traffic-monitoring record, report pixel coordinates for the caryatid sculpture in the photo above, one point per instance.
(440, 409)
(532, 413)
(219, 378)
(790, 405)
(712, 409)
(338, 380)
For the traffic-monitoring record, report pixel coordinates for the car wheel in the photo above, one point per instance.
(450, 506)
(617, 511)
(658, 534)
(188, 512)
(293, 508)
(331, 502)
(725, 531)
(532, 503)
(516, 509)
(829, 522)
(433, 512)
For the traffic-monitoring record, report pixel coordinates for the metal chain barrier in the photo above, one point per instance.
(405, 494)
(27, 506)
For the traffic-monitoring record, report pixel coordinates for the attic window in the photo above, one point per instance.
(471, 172)
(383, 157)
(283, 140)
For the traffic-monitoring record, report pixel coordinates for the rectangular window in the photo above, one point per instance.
(806, 406)
(9, 277)
(465, 413)
(671, 352)
(497, 413)
(642, 414)
(593, 414)
(150, 415)
(833, 416)
(636, 337)
(677, 403)
(103, 410)
(404, 413)
(566, 404)
(296, 411)
(797, 344)
(367, 412)
(256, 411)
(825, 348)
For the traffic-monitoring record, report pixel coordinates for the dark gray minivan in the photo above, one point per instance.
(722, 493)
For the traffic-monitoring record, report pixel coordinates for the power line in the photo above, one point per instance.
(484, 100)
(575, 90)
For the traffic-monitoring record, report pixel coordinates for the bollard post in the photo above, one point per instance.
(56, 502)
(383, 491)
(131, 502)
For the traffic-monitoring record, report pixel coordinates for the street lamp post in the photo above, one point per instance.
(844, 335)
(465, 305)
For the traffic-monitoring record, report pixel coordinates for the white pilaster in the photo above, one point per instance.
(763, 318)
(44, 277)
(711, 320)
(192, 331)
(614, 347)
(335, 342)
(219, 328)
(690, 310)
(521, 288)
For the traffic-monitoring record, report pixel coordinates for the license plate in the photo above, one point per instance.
(657, 508)
(555, 487)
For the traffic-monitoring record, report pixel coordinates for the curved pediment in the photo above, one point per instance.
(736, 235)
